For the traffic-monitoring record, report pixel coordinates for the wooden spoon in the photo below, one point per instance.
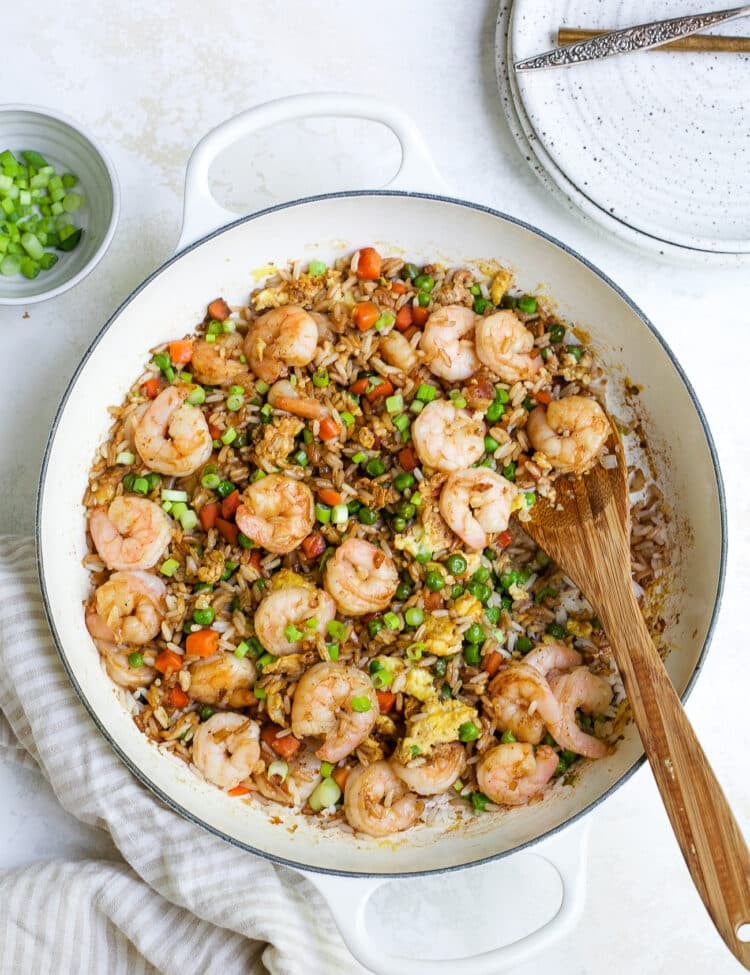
(587, 532)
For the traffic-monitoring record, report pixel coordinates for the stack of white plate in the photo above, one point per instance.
(653, 146)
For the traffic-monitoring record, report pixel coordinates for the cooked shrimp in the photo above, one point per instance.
(511, 774)
(172, 436)
(570, 432)
(476, 502)
(223, 679)
(376, 801)
(226, 748)
(217, 363)
(299, 607)
(436, 774)
(553, 658)
(522, 702)
(131, 534)
(285, 397)
(283, 337)
(127, 608)
(397, 350)
(118, 667)
(277, 512)
(448, 343)
(504, 345)
(592, 694)
(446, 438)
(323, 707)
(360, 577)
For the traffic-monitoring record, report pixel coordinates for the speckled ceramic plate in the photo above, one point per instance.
(653, 146)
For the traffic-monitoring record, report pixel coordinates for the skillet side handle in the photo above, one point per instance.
(201, 213)
(347, 899)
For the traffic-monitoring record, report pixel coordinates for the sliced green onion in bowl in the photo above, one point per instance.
(125, 457)
(167, 494)
(278, 769)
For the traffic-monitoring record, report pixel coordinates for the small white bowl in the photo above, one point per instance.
(69, 149)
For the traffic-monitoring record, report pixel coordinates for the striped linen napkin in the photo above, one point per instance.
(180, 900)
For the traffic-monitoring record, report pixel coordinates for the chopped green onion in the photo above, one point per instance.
(426, 393)
(241, 650)
(327, 793)
(326, 769)
(359, 457)
(235, 402)
(188, 520)
(381, 679)
(336, 629)
(278, 769)
(361, 704)
(479, 801)
(168, 567)
(300, 458)
(415, 651)
(125, 457)
(322, 513)
(339, 514)
(261, 387)
(316, 268)
(197, 396)
(140, 485)
(333, 651)
(244, 541)
(210, 481)
(392, 620)
(167, 494)
(347, 418)
(292, 634)
(229, 436)
(321, 379)
(260, 693)
(394, 404)
(401, 423)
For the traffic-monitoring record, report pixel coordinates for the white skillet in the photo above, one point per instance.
(345, 869)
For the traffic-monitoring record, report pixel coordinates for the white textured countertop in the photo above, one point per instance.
(149, 80)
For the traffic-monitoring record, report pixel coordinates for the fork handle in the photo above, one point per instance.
(707, 832)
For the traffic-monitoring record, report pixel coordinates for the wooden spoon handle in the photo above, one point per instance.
(706, 830)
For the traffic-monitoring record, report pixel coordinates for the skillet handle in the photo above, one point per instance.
(202, 214)
(347, 899)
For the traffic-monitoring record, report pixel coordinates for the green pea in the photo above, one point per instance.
(556, 333)
(457, 590)
(424, 282)
(472, 654)
(204, 617)
(494, 412)
(404, 590)
(409, 272)
(366, 516)
(406, 509)
(374, 627)
(456, 564)
(402, 482)
(523, 644)
(527, 305)
(474, 634)
(414, 616)
(440, 667)
(481, 305)
(135, 659)
(557, 631)
(398, 524)
(375, 467)
(482, 574)
(434, 580)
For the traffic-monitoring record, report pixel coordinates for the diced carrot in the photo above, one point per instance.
(433, 600)
(314, 545)
(151, 387)
(381, 389)
(203, 643)
(228, 531)
(208, 515)
(214, 431)
(219, 310)
(340, 775)
(177, 698)
(230, 504)
(543, 397)
(386, 700)
(398, 287)
(329, 496)
(181, 352)
(365, 315)
(255, 560)
(169, 662)
(328, 429)
(369, 263)
(492, 662)
(360, 386)
(407, 458)
(285, 746)
(504, 539)
(419, 315)
(404, 318)
(239, 790)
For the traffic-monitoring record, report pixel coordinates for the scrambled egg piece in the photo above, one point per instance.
(438, 722)
(500, 284)
(579, 628)
(419, 684)
(468, 605)
(286, 579)
(441, 636)
(269, 298)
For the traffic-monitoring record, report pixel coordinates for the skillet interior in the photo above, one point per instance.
(174, 298)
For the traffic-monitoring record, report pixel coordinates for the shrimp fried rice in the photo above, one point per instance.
(309, 569)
